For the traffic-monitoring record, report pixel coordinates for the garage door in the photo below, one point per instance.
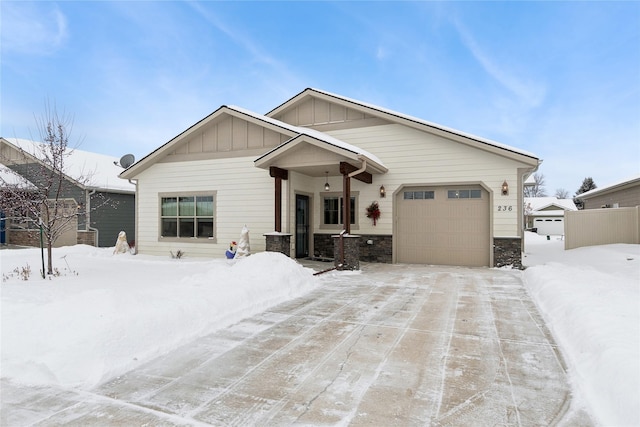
(443, 226)
(549, 226)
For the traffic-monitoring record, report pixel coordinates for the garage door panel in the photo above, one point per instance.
(443, 231)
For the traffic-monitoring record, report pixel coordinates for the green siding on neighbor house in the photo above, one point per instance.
(116, 214)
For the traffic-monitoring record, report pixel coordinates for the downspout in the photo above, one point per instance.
(88, 218)
(135, 213)
(362, 168)
(341, 255)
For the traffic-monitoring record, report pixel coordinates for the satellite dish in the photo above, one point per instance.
(127, 160)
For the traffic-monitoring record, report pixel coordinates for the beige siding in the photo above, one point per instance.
(418, 158)
(313, 112)
(244, 195)
(227, 134)
(601, 226)
(627, 197)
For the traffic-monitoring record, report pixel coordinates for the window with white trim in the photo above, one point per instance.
(332, 210)
(187, 216)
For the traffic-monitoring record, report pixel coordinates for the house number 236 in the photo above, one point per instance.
(505, 208)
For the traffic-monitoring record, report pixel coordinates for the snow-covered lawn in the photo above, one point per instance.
(590, 299)
(106, 314)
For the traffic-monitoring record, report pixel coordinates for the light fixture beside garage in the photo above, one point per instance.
(505, 188)
(327, 187)
(383, 192)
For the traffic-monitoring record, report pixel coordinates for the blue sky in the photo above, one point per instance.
(558, 79)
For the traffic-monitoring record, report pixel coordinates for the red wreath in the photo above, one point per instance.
(373, 212)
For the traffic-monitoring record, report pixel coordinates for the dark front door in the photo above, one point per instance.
(302, 226)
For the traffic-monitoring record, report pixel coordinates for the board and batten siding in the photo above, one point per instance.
(116, 213)
(420, 158)
(244, 195)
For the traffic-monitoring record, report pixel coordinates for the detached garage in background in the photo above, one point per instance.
(545, 215)
(398, 188)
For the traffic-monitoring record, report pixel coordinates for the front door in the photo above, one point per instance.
(302, 226)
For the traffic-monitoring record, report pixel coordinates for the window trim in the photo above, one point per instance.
(191, 239)
(339, 195)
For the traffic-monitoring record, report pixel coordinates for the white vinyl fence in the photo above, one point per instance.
(592, 227)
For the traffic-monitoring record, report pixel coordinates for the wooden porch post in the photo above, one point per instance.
(279, 175)
(346, 202)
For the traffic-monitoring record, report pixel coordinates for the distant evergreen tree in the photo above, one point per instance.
(587, 184)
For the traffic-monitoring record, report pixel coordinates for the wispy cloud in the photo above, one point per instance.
(33, 28)
(529, 93)
(279, 73)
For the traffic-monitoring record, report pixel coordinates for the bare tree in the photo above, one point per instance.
(536, 189)
(561, 193)
(40, 182)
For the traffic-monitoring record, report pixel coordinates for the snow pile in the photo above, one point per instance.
(107, 314)
(590, 299)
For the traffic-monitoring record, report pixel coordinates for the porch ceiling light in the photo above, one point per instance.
(327, 187)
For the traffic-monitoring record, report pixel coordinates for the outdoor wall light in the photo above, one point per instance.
(327, 187)
(505, 188)
(383, 192)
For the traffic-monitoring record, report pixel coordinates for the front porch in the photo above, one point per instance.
(305, 160)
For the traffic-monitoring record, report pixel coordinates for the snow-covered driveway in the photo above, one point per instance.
(389, 345)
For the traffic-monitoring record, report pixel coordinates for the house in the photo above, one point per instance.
(545, 215)
(625, 193)
(304, 176)
(105, 203)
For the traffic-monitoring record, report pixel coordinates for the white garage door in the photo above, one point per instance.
(549, 226)
(443, 226)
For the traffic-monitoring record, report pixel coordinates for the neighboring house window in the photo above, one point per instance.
(187, 216)
(332, 205)
(464, 194)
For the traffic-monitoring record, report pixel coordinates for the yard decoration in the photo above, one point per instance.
(122, 246)
(231, 252)
(373, 212)
(244, 249)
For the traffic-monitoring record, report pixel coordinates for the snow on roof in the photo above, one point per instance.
(630, 180)
(10, 178)
(100, 168)
(309, 132)
(538, 203)
(429, 124)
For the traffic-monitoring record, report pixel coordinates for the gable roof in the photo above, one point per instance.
(541, 203)
(101, 169)
(295, 133)
(410, 121)
(629, 182)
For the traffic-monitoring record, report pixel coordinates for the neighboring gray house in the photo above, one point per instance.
(106, 204)
(622, 194)
(443, 196)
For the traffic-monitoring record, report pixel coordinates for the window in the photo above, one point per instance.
(419, 195)
(464, 194)
(332, 206)
(187, 216)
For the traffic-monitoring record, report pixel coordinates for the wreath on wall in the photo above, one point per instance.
(373, 212)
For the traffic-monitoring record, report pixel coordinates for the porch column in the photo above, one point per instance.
(279, 175)
(346, 203)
